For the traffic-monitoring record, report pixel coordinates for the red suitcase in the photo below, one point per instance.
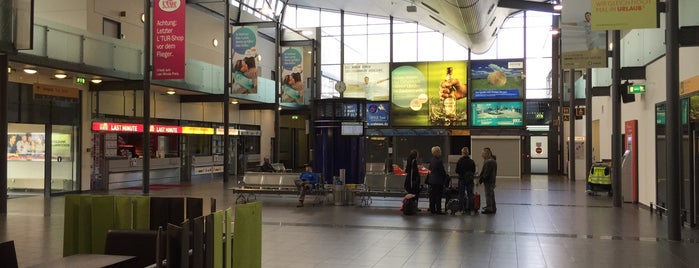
(476, 202)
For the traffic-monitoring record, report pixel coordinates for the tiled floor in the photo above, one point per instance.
(541, 222)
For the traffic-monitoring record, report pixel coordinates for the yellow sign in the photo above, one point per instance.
(624, 15)
(596, 58)
(689, 85)
(56, 91)
(198, 130)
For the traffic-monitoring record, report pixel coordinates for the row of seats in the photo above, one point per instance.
(272, 183)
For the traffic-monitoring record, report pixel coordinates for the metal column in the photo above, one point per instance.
(616, 118)
(3, 131)
(588, 119)
(146, 95)
(672, 119)
(571, 135)
(226, 90)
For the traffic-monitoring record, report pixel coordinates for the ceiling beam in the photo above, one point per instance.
(527, 5)
(117, 85)
(202, 98)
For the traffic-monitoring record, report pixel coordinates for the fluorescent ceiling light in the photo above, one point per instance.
(234, 101)
(96, 81)
(170, 92)
(60, 76)
(30, 70)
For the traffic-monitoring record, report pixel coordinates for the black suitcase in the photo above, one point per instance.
(410, 206)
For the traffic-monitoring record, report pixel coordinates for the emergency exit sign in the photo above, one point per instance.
(637, 89)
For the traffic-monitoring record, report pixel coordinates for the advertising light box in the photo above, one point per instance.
(497, 79)
(496, 113)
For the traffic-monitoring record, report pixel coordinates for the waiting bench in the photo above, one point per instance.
(273, 183)
(384, 185)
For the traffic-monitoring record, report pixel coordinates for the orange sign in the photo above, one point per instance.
(56, 91)
(689, 85)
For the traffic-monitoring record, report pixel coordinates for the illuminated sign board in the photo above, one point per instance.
(116, 127)
(637, 89)
(165, 129)
(198, 130)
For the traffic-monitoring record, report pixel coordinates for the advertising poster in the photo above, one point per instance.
(624, 15)
(429, 94)
(292, 79)
(368, 81)
(244, 60)
(377, 114)
(168, 39)
(581, 46)
(26, 146)
(497, 79)
(496, 113)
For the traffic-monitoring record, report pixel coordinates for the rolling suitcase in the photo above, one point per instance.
(476, 202)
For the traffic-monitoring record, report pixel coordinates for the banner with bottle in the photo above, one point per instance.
(497, 79)
(581, 47)
(292, 75)
(368, 81)
(244, 60)
(429, 94)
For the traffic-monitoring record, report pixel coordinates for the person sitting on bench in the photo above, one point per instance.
(305, 182)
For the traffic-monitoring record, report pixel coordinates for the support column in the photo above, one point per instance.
(146, 95)
(3, 131)
(616, 118)
(672, 117)
(588, 119)
(226, 90)
(571, 135)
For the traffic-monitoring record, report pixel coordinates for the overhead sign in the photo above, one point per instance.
(55, 91)
(624, 15)
(581, 45)
(245, 60)
(169, 39)
(637, 89)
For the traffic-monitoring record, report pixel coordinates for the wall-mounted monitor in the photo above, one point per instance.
(496, 113)
(352, 129)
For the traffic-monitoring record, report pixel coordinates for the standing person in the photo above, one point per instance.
(305, 182)
(437, 178)
(466, 168)
(487, 177)
(412, 178)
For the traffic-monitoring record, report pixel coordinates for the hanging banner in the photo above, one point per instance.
(368, 81)
(244, 60)
(624, 15)
(581, 46)
(168, 39)
(292, 79)
(377, 114)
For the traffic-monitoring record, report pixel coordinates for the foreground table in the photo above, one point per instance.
(90, 260)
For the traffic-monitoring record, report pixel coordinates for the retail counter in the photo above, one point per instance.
(124, 173)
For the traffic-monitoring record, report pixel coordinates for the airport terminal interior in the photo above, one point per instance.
(116, 118)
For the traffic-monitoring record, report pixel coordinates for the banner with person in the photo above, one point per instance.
(292, 75)
(244, 60)
(581, 46)
(368, 81)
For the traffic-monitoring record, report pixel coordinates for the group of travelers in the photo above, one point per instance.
(438, 181)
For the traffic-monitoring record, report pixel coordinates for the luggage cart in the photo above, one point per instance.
(599, 179)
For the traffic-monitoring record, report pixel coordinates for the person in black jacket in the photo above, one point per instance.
(412, 178)
(466, 168)
(487, 177)
(437, 178)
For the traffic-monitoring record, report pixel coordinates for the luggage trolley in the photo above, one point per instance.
(599, 179)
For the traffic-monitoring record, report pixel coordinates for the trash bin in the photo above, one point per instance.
(339, 192)
(350, 193)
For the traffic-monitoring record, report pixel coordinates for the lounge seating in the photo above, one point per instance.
(273, 183)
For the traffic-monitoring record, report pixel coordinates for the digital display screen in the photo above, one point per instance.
(496, 113)
(352, 129)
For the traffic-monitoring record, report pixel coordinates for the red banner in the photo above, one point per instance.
(168, 39)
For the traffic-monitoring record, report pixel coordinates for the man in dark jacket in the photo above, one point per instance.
(487, 177)
(466, 168)
(412, 178)
(437, 178)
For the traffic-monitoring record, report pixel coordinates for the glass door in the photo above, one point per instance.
(63, 151)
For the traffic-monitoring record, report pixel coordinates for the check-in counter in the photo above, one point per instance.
(124, 172)
(210, 164)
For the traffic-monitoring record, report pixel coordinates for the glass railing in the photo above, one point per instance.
(65, 43)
